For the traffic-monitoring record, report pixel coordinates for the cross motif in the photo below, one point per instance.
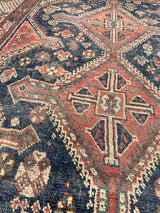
(114, 25)
(111, 104)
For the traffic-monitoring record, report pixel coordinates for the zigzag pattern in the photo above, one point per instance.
(148, 165)
(75, 152)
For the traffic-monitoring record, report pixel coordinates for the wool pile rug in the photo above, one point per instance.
(79, 106)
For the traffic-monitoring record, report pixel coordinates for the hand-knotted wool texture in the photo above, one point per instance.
(79, 106)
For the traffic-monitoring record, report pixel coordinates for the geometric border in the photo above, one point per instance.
(142, 171)
(80, 159)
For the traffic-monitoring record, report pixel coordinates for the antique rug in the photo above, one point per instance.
(79, 106)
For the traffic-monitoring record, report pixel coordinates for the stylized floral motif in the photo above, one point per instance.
(156, 62)
(51, 71)
(66, 204)
(150, 69)
(52, 22)
(24, 204)
(25, 61)
(148, 48)
(42, 56)
(88, 54)
(15, 204)
(51, 9)
(47, 209)
(80, 38)
(36, 207)
(111, 103)
(15, 121)
(37, 115)
(45, 17)
(141, 60)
